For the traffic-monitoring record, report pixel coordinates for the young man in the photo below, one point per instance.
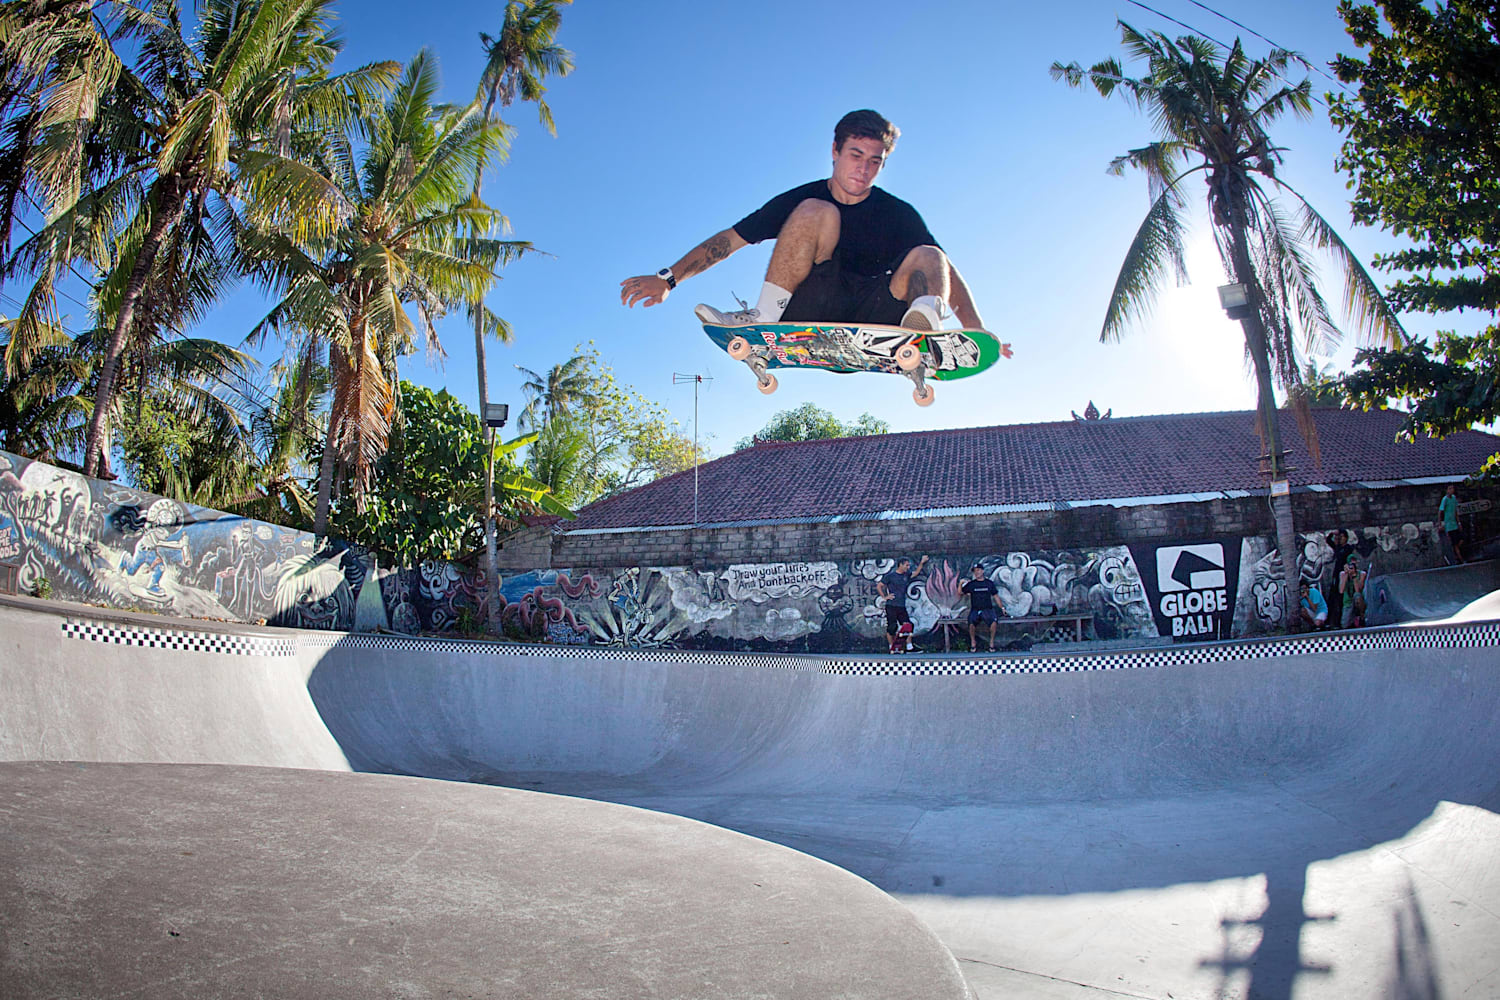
(982, 592)
(893, 587)
(1314, 608)
(1448, 511)
(1351, 587)
(846, 251)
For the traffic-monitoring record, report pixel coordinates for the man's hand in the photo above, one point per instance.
(647, 288)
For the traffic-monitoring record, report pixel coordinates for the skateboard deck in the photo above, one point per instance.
(860, 347)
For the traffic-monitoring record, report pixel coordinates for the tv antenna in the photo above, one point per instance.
(679, 378)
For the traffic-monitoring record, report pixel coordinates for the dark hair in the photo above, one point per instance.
(903, 559)
(866, 124)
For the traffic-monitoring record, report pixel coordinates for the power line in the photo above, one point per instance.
(1268, 41)
(1223, 44)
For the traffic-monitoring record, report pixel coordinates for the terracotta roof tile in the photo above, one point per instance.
(1075, 461)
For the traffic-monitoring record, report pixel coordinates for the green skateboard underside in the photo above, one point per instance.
(865, 347)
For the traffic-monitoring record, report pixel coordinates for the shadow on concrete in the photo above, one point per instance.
(983, 787)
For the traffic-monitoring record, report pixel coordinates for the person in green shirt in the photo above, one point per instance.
(1448, 509)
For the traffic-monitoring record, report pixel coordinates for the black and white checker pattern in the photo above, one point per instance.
(189, 640)
(1449, 636)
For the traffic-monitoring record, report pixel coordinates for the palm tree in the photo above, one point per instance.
(403, 243)
(553, 393)
(197, 120)
(516, 62)
(1211, 109)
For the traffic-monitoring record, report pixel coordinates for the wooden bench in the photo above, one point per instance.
(963, 623)
(10, 575)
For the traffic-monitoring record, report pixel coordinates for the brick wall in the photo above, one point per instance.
(1081, 527)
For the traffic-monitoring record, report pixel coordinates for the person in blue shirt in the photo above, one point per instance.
(1314, 608)
(1448, 511)
(982, 592)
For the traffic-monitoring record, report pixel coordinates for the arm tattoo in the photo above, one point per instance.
(716, 249)
(705, 255)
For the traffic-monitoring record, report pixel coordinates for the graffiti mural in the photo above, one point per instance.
(1390, 549)
(107, 544)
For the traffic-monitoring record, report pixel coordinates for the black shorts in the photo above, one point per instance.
(983, 615)
(835, 295)
(895, 615)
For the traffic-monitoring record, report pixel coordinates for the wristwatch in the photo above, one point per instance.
(665, 274)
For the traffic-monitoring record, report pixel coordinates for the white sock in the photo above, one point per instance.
(773, 300)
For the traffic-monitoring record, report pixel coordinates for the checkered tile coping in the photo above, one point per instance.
(1456, 636)
(185, 639)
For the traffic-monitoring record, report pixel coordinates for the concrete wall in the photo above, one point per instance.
(784, 587)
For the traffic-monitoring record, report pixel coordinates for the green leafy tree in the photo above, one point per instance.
(428, 496)
(1212, 110)
(810, 422)
(600, 437)
(1423, 155)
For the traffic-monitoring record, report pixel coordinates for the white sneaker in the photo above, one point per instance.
(749, 316)
(925, 313)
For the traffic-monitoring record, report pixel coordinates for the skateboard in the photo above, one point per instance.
(860, 347)
(904, 633)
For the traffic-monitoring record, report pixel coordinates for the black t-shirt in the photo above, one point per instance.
(874, 235)
(981, 594)
(896, 584)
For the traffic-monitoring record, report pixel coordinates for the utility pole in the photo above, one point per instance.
(493, 415)
(697, 380)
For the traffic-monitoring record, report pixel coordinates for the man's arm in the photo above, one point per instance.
(961, 302)
(652, 290)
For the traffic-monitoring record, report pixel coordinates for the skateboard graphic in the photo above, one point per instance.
(860, 347)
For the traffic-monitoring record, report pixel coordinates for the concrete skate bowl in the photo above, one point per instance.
(1312, 817)
(1429, 594)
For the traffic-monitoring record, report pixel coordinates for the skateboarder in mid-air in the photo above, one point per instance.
(846, 251)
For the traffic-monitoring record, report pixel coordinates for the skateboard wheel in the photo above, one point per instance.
(924, 396)
(767, 383)
(908, 356)
(739, 348)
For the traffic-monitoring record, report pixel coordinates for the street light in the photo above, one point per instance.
(1235, 300)
(496, 414)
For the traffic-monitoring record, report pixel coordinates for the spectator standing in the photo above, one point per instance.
(982, 592)
(1448, 510)
(1338, 541)
(893, 587)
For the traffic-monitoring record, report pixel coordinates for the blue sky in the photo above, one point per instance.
(682, 117)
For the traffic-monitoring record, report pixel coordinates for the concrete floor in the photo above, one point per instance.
(1296, 819)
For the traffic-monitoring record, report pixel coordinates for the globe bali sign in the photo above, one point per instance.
(1192, 590)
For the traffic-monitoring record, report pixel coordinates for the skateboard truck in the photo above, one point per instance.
(755, 359)
(909, 359)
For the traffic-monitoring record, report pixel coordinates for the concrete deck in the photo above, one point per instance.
(1300, 818)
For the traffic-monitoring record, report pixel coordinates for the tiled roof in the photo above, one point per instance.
(1030, 465)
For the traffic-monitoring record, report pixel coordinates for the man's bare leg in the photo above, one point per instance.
(924, 271)
(808, 237)
(928, 271)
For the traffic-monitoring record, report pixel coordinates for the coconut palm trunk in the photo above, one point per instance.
(1268, 421)
(170, 209)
